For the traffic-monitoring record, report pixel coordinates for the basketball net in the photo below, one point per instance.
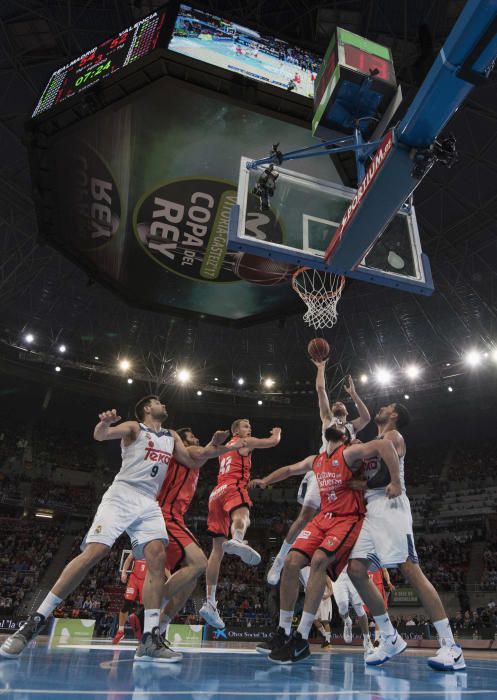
(320, 292)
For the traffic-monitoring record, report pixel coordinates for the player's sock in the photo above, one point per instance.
(365, 636)
(151, 619)
(211, 594)
(383, 622)
(49, 604)
(305, 624)
(327, 636)
(286, 617)
(238, 535)
(284, 549)
(164, 623)
(444, 631)
(120, 628)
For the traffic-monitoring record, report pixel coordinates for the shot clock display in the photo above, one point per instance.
(104, 60)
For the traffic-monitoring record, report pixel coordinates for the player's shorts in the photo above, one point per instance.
(179, 539)
(134, 588)
(308, 494)
(335, 535)
(225, 499)
(386, 537)
(324, 610)
(346, 595)
(125, 509)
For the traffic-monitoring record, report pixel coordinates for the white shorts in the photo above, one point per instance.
(125, 509)
(308, 494)
(324, 610)
(345, 595)
(386, 538)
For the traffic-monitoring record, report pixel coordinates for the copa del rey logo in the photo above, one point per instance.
(153, 454)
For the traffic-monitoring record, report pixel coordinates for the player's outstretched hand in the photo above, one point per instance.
(319, 363)
(393, 490)
(257, 484)
(276, 432)
(109, 417)
(350, 387)
(219, 437)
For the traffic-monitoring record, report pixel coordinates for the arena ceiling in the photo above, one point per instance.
(457, 211)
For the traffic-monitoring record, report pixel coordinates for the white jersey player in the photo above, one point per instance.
(308, 493)
(129, 505)
(386, 540)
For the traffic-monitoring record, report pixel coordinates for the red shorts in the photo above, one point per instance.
(335, 535)
(377, 578)
(134, 588)
(222, 502)
(179, 539)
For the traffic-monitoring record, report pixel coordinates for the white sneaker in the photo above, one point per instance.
(210, 614)
(448, 658)
(347, 631)
(274, 573)
(367, 646)
(240, 549)
(389, 646)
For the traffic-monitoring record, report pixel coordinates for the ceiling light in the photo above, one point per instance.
(447, 364)
(216, 379)
(364, 378)
(412, 371)
(199, 393)
(383, 375)
(62, 348)
(241, 381)
(96, 357)
(268, 383)
(57, 369)
(406, 396)
(29, 337)
(130, 381)
(184, 375)
(473, 358)
(494, 354)
(259, 403)
(450, 389)
(124, 365)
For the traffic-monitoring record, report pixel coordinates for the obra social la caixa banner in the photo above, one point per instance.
(144, 192)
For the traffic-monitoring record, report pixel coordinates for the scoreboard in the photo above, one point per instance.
(105, 59)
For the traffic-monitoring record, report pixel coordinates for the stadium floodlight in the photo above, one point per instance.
(130, 381)
(57, 369)
(268, 383)
(473, 358)
(96, 357)
(407, 397)
(259, 403)
(216, 379)
(29, 338)
(412, 371)
(62, 348)
(184, 375)
(364, 378)
(124, 365)
(493, 354)
(450, 389)
(383, 375)
(241, 381)
(199, 393)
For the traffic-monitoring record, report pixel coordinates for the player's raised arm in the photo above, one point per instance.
(283, 473)
(323, 400)
(378, 448)
(253, 443)
(214, 448)
(364, 416)
(105, 431)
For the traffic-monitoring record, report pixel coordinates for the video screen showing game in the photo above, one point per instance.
(228, 45)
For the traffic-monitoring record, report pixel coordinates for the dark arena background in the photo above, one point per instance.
(138, 258)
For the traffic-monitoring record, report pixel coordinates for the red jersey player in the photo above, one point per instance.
(183, 550)
(133, 592)
(229, 505)
(329, 538)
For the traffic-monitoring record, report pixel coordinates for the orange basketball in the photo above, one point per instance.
(318, 349)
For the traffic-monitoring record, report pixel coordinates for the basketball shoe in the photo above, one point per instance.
(17, 642)
(153, 648)
(211, 615)
(448, 658)
(241, 549)
(118, 636)
(389, 646)
(295, 649)
(277, 640)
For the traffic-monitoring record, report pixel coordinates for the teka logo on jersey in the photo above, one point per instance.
(155, 455)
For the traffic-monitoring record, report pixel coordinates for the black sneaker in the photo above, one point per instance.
(295, 649)
(277, 640)
(17, 642)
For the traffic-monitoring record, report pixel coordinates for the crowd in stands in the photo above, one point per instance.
(25, 554)
(489, 577)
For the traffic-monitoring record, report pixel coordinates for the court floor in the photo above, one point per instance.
(108, 673)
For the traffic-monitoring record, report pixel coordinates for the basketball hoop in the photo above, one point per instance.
(321, 292)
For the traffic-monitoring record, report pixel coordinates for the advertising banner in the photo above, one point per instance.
(404, 596)
(238, 634)
(187, 635)
(70, 631)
